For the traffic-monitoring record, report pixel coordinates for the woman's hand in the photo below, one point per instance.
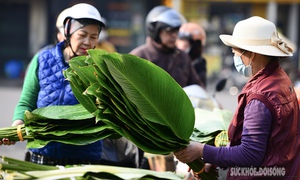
(190, 153)
(6, 141)
(207, 167)
(17, 122)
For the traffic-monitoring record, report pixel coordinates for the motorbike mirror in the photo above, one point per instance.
(221, 84)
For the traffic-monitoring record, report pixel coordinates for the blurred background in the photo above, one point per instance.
(28, 25)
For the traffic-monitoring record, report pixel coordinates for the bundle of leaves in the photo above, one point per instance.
(141, 101)
(138, 99)
(211, 126)
(15, 169)
(71, 124)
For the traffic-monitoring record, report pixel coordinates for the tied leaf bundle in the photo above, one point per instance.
(15, 169)
(141, 101)
(135, 97)
(71, 124)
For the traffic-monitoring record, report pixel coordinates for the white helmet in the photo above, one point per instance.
(103, 35)
(60, 20)
(84, 11)
(81, 14)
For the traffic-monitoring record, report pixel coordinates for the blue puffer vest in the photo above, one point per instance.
(56, 90)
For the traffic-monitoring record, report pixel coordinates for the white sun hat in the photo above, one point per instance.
(257, 35)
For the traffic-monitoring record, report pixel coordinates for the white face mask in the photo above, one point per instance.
(241, 67)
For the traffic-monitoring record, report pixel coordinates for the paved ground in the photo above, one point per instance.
(9, 96)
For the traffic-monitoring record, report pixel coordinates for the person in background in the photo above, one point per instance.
(45, 85)
(192, 39)
(265, 131)
(162, 26)
(60, 34)
(59, 30)
(103, 43)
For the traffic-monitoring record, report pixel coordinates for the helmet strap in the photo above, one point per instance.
(72, 50)
(68, 36)
(68, 28)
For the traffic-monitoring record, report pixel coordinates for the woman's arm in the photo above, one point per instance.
(28, 96)
(255, 135)
(29, 92)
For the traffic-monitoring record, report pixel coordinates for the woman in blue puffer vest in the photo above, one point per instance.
(45, 85)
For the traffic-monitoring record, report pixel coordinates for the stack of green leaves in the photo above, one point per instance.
(209, 124)
(15, 169)
(141, 101)
(71, 124)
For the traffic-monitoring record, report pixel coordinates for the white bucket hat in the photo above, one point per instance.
(257, 35)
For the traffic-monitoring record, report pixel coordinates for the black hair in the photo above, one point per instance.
(87, 21)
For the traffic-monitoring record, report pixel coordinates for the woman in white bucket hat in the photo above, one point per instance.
(265, 130)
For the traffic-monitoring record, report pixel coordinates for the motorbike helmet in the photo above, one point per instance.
(103, 35)
(192, 32)
(83, 13)
(60, 20)
(161, 17)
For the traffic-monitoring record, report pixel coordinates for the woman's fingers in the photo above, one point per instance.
(6, 141)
